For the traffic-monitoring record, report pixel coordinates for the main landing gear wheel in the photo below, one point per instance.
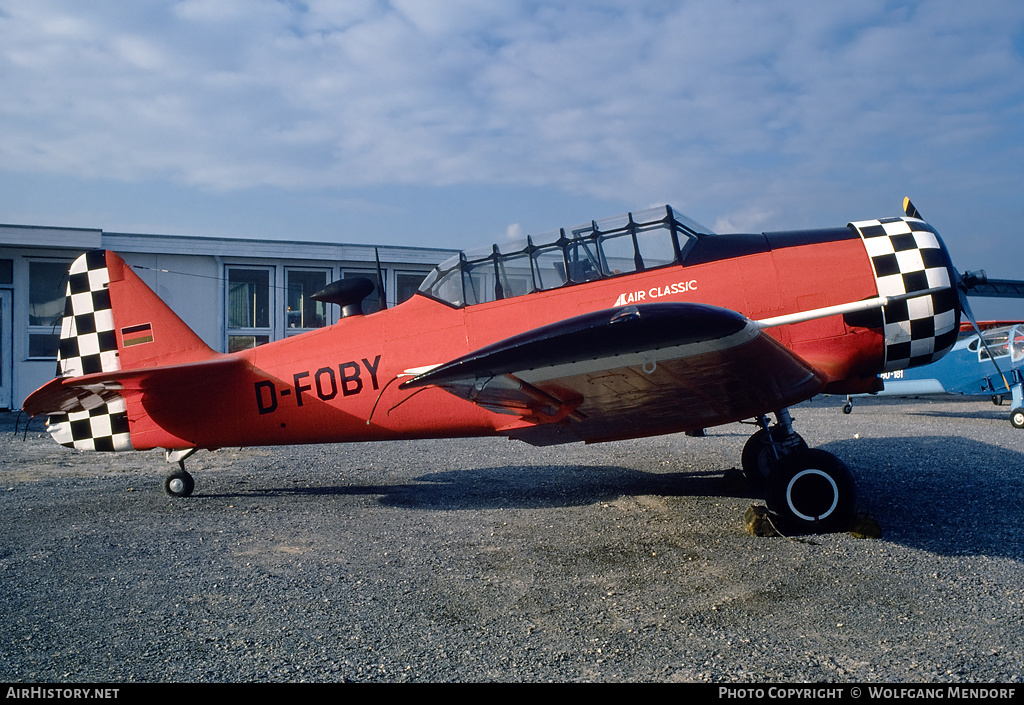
(763, 451)
(813, 491)
(179, 483)
(1017, 417)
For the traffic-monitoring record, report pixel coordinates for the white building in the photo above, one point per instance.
(235, 293)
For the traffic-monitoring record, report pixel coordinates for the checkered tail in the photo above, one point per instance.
(88, 344)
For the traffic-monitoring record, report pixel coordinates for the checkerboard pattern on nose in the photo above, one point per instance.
(88, 344)
(907, 256)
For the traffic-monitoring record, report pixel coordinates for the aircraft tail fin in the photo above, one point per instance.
(112, 322)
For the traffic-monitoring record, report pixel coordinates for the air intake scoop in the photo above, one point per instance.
(347, 293)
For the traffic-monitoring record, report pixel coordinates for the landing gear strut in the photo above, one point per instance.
(179, 483)
(809, 489)
(768, 446)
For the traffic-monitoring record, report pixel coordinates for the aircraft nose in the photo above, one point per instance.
(909, 256)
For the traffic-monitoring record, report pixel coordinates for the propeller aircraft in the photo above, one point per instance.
(989, 364)
(629, 327)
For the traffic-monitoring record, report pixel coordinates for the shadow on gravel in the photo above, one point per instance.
(983, 412)
(549, 486)
(946, 495)
(525, 487)
(938, 407)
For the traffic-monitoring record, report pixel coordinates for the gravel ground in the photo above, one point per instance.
(490, 560)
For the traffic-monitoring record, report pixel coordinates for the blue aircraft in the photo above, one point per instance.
(990, 364)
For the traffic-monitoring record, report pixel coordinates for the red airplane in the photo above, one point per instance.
(629, 327)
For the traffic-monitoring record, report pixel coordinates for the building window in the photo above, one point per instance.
(301, 312)
(250, 302)
(46, 288)
(406, 284)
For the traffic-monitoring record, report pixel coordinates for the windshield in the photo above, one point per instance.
(1002, 342)
(606, 248)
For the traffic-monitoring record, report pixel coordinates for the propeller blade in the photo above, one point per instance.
(909, 209)
(966, 308)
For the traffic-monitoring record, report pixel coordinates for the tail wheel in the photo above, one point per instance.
(813, 491)
(758, 458)
(179, 484)
(1017, 417)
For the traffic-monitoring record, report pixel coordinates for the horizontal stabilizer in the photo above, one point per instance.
(77, 394)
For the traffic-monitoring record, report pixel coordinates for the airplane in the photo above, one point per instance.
(968, 369)
(635, 326)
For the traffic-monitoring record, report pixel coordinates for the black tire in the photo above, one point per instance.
(848, 407)
(1017, 417)
(757, 459)
(179, 484)
(812, 491)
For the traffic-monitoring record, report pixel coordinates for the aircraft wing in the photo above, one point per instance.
(627, 372)
(77, 394)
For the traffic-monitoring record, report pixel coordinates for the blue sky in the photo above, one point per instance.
(455, 123)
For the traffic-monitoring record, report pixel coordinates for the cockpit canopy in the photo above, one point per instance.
(1003, 341)
(606, 248)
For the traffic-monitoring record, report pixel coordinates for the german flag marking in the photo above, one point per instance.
(137, 335)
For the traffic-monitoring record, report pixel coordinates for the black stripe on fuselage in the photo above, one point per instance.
(720, 247)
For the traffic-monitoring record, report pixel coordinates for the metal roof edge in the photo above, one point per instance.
(258, 248)
(50, 236)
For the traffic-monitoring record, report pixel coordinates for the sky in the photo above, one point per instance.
(457, 123)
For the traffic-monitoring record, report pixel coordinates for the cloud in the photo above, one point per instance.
(768, 104)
